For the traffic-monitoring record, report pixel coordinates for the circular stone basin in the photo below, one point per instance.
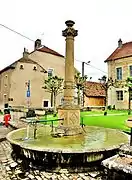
(94, 144)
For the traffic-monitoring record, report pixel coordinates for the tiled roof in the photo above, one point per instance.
(48, 50)
(41, 49)
(94, 89)
(7, 68)
(124, 51)
(12, 66)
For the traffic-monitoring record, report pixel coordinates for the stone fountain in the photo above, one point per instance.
(69, 146)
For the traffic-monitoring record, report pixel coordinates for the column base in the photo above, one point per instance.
(70, 126)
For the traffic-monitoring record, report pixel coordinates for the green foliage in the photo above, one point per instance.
(109, 107)
(54, 85)
(113, 107)
(129, 81)
(49, 111)
(129, 112)
(105, 113)
(6, 111)
(80, 85)
(80, 81)
(31, 113)
(1, 112)
(103, 79)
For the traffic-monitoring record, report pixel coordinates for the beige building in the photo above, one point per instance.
(119, 68)
(34, 67)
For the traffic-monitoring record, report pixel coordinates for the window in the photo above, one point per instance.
(119, 73)
(34, 68)
(21, 66)
(5, 95)
(119, 95)
(45, 103)
(50, 72)
(10, 99)
(130, 70)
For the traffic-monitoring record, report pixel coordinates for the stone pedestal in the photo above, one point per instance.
(71, 123)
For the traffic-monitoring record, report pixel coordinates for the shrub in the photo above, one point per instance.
(16, 110)
(129, 112)
(55, 114)
(103, 108)
(105, 113)
(6, 111)
(49, 111)
(31, 113)
(109, 107)
(113, 107)
(1, 111)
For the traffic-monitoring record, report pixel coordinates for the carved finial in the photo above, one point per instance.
(69, 23)
(70, 31)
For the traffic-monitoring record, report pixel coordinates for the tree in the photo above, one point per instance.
(80, 84)
(106, 83)
(54, 85)
(129, 85)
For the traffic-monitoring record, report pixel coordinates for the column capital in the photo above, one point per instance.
(69, 31)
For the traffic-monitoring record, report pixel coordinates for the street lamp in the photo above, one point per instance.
(83, 67)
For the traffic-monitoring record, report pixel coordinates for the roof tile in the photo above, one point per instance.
(124, 51)
(94, 89)
(50, 51)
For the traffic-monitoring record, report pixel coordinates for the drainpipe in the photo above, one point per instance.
(129, 102)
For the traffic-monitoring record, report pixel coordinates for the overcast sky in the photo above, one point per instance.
(100, 23)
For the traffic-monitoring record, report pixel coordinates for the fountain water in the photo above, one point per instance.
(78, 148)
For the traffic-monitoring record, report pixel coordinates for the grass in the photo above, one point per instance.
(48, 118)
(115, 122)
(114, 119)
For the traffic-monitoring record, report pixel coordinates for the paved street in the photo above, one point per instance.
(10, 170)
(3, 132)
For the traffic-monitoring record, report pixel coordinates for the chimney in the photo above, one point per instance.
(37, 44)
(119, 43)
(25, 53)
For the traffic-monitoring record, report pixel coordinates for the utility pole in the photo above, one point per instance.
(87, 63)
(83, 69)
(129, 102)
(83, 87)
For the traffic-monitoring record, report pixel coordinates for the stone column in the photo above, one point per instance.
(69, 33)
(69, 111)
